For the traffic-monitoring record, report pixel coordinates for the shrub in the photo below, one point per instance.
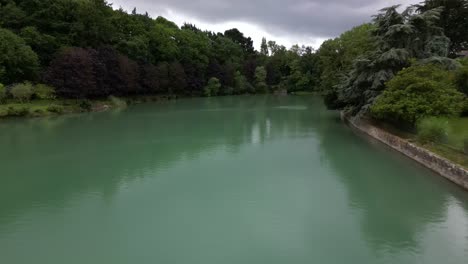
(44, 92)
(433, 129)
(212, 88)
(465, 107)
(461, 80)
(86, 105)
(18, 110)
(38, 112)
(2, 93)
(22, 91)
(417, 92)
(55, 109)
(117, 102)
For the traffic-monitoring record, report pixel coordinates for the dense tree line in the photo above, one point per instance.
(401, 67)
(86, 49)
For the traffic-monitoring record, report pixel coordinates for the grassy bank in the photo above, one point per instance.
(38, 108)
(453, 147)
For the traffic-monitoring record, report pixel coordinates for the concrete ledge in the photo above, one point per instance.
(442, 166)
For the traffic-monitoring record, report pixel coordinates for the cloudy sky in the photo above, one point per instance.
(288, 22)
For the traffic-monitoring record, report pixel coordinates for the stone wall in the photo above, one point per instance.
(442, 166)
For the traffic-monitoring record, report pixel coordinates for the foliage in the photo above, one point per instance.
(240, 83)
(88, 50)
(400, 37)
(22, 91)
(461, 77)
(18, 62)
(465, 107)
(336, 56)
(18, 111)
(86, 105)
(433, 130)
(452, 20)
(117, 102)
(417, 92)
(3, 93)
(44, 92)
(212, 88)
(260, 80)
(55, 109)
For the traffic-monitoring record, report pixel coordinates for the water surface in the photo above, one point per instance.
(220, 180)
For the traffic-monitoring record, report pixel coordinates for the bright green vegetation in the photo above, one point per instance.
(283, 181)
(407, 76)
(417, 92)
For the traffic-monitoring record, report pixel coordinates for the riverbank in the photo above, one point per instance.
(443, 166)
(43, 108)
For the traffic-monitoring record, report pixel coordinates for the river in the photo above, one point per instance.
(219, 180)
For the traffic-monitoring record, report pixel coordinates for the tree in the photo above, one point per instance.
(177, 78)
(43, 44)
(452, 20)
(18, 62)
(212, 88)
(238, 38)
(73, 73)
(400, 37)
(417, 92)
(260, 80)
(241, 84)
(264, 47)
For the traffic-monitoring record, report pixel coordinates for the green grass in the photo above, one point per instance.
(454, 147)
(458, 132)
(452, 150)
(448, 153)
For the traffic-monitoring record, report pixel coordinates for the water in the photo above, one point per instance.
(225, 180)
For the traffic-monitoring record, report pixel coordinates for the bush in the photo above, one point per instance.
(18, 110)
(55, 109)
(2, 93)
(86, 105)
(433, 129)
(465, 107)
(461, 79)
(22, 91)
(117, 102)
(212, 88)
(418, 92)
(44, 92)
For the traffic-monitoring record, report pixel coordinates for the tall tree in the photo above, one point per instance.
(264, 47)
(454, 21)
(18, 62)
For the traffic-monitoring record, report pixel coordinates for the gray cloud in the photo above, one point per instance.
(308, 18)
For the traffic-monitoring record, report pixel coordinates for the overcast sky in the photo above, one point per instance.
(288, 22)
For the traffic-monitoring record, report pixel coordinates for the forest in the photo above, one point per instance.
(86, 49)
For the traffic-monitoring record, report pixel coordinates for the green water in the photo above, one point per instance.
(226, 180)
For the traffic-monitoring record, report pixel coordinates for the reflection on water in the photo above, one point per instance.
(230, 180)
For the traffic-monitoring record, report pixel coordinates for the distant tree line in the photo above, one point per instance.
(86, 49)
